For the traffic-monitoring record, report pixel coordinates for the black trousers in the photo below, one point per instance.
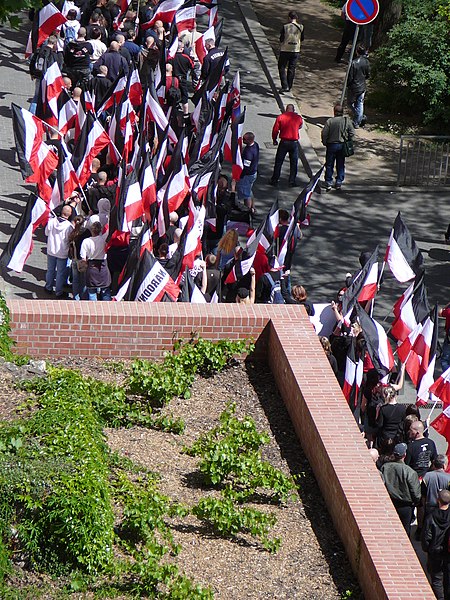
(286, 147)
(286, 68)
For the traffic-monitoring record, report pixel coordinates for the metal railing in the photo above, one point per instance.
(424, 160)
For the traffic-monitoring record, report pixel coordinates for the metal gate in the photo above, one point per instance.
(424, 160)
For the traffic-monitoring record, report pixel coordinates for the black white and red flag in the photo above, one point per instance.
(428, 365)
(152, 283)
(148, 187)
(51, 87)
(20, 244)
(114, 94)
(203, 126)
(175, 184)
(410, 309)
(67, 112)
(402, 254)
(287, 248)
(204, 7)
(212, 82)
(66, 178)
(233, 146)
(165, 12)
(270, 227)
(134, 85)
(377, 343)
(242, 265)
(441, 388)
(130, 207)
(185, 16)
(153, 112)
(189, 291)
(36, 160)
(353, 375)
(419, 348)
(45, 21)
(363, 287)
(212, 33)
(194, 225)
(93, 138)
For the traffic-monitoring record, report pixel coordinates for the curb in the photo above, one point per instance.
(258, 40)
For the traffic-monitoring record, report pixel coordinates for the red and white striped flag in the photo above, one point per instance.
(441, 388)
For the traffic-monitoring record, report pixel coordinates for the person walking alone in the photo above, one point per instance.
(336, 131)
(287, 126)
(291, 38)
(356, 86)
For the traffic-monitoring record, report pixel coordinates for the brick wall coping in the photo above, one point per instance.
(376, 544)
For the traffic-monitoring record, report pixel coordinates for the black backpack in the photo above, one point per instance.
(40, 61)
(173, 94)
(276, 296)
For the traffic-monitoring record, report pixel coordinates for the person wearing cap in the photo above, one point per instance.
(402, 485)
(435, 543)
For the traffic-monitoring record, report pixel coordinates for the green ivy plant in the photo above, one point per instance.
(230, 456)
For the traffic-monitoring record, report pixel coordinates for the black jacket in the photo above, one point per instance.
(358, 74)
(435, 532)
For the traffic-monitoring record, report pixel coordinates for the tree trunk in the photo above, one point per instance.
(389, 15)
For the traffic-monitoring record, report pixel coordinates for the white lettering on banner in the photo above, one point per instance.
(151, 286)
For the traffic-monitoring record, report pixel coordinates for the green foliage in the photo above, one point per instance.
(56, 478)
(8, 8)
(231, 455)
(158, 383)
(228, 519)
(413, 67)
(6, 343)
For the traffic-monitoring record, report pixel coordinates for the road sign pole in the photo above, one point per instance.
(352, 52)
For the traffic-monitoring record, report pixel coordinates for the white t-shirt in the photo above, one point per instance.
(93, 248)
(99, 49)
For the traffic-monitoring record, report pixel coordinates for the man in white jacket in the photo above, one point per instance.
(58, 230)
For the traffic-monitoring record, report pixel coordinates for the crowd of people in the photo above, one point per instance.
(203, 237)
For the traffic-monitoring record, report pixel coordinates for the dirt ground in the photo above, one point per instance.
(318, 85)
(311, 563)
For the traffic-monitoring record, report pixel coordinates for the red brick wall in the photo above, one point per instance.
(379, 551)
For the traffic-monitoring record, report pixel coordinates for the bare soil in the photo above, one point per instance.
(311, 563)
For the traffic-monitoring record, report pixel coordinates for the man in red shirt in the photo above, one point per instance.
(445, 356)
(287, 126)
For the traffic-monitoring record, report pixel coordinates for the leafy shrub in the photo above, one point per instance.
(231, 455)
(228, 519)
(158, 383)
(414, 65)
(61, 494)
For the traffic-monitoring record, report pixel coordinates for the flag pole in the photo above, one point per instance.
(431, 412)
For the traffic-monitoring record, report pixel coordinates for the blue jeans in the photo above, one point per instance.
(95, 294)
(244, 186)
(78, 283)
(357, 106)
(335, 155)
(286, 147)
(445, 356)
(57, 273)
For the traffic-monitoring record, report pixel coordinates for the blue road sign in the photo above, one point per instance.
(362, 12)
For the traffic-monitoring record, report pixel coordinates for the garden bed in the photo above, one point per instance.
(310, 563)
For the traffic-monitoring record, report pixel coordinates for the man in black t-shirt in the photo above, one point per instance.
(421, 450)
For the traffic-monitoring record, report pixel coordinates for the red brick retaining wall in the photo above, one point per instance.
(378, 548)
